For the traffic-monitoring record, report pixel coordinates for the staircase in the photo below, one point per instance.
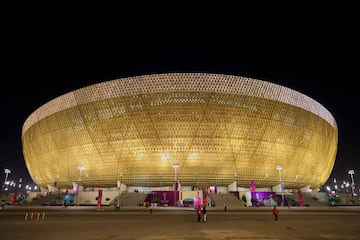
(311, 200)
(131, 199)
(48, 200)
(228, 200)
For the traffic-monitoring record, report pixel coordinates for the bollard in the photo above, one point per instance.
(43, 216)
(35, 216)
(26, 216)
(32, 216)
(38, 216)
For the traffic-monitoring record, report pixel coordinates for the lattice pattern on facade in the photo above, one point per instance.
(218, 128)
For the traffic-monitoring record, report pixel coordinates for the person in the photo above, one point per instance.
(198, 211)
(276, 213)
(204, 214)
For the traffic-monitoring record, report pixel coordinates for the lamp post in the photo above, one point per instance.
(175, 166)
(279, 168)
(119, 182)
(297, 181)
(81, 168)
(57, 177)
(161, 175)
(7, 172)
(267, 180)
(197, 179)
(329, 190)
(335, 186)
(352, 172)
(117, 207)
(347, 184)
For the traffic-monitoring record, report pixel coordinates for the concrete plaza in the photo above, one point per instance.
(171, 223)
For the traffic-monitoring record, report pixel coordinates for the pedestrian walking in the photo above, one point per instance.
(198, 212)
(276, 213)
(204, 214)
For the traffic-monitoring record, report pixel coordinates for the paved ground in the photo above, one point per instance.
(167, 223)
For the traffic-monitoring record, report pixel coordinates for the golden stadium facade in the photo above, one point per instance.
(217, 129)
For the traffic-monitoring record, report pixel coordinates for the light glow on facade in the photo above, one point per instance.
(212, 125)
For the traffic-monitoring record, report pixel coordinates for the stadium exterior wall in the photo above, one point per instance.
(218, 129)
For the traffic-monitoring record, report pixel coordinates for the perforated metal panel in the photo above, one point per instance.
(217, 128)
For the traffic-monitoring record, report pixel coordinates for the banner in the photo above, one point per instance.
(252, 186)
(99, 197)
(300, 198)
(175, 185)
(204, 197)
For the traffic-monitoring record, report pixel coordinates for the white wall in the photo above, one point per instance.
(165, 188)
(140, 189)
(232, 187)
(90, 197)
(190, 194)
(186, 188)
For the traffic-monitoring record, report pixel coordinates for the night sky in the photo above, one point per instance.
(326, 73)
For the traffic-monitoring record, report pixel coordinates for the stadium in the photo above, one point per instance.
(199, 129)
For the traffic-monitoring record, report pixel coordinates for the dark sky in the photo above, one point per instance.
(324, 72)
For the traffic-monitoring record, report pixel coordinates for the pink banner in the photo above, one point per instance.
(99, 198)
(252, 186)
(204, 197)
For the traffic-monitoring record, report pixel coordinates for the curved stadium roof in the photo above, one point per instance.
(217, 128)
